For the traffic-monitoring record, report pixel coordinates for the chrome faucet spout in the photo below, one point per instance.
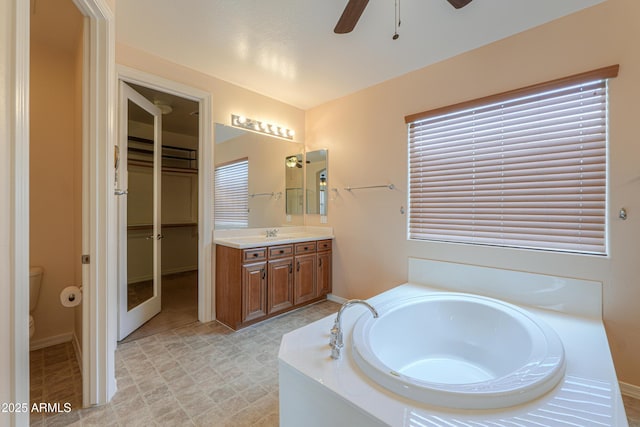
(336, 340)
(272, 232)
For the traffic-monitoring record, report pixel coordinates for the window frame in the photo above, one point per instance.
(602, 74)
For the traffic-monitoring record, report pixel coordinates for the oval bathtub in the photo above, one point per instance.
(459, 351)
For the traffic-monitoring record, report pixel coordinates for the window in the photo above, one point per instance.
(526, 168)
(231, 195)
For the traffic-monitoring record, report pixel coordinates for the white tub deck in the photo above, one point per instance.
(316, 390)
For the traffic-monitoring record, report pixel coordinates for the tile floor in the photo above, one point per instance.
(196, 375)
(55, 376)
(179, 305)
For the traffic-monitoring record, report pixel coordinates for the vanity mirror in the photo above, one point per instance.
(293, 167)
(266, 181)
(317, 182)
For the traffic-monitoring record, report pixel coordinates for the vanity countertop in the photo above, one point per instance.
(253, 237)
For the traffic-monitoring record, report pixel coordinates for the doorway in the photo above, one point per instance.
(55, 200)
(157, 183)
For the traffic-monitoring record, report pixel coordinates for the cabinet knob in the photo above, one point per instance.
(255, 254)
(281, 251)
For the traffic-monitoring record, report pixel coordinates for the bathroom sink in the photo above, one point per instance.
(260, 240)
(459, 351)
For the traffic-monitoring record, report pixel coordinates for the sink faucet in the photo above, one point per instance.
(336, 342)
(272, 233)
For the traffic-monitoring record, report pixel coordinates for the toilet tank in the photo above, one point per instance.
(35, 281)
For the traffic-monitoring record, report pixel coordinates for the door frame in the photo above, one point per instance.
(99, 308)
(205, 175)
(98, 203)
(99, 324)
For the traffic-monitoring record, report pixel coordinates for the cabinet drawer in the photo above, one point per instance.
(324, 245)
(305, 247)
(280, 251)
(255, 254)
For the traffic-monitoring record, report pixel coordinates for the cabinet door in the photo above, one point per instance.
(324, 273)
(280, 285)
(254, 291)
(305, 278)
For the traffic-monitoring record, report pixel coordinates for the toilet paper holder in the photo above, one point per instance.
(71, 296)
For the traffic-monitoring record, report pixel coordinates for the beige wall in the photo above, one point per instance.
(366, 137)
(227, 98)
(55, 182)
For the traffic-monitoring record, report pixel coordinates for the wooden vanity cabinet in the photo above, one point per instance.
(305, 277)
(324, 265)
(256, 283)
(280, 279)
(254, 291)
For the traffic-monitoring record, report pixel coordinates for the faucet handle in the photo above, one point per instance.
(335, 353)
(334, 336)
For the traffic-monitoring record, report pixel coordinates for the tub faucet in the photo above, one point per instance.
(336, 342)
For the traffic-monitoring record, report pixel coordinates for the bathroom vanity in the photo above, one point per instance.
(258, 277)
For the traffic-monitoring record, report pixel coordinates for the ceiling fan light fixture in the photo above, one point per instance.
(458, 4)
(350, 16)
(292, 161)
(354, 9)
(164, 108)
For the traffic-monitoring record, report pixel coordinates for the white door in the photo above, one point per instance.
(138, 179)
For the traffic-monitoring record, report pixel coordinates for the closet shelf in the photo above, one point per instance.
(172, 156)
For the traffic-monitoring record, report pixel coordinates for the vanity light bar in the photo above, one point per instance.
(262, 127)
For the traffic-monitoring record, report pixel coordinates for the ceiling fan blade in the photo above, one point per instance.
(459, 3)
(350, 16)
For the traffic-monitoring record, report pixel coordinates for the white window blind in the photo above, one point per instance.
(522, 169)
(231, 195)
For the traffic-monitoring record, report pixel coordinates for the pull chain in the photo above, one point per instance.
(398, 21)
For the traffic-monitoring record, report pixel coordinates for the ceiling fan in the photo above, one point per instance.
(354, 9)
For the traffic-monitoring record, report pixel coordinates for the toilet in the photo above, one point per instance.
(35, 280)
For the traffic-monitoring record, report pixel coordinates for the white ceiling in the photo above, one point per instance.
(286, 49)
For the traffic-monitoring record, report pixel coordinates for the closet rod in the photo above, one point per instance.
(389, 186)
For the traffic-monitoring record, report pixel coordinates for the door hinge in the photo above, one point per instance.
(86, 259)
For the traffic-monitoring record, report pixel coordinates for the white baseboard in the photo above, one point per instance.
(164, 273)
(49, 341)
(179, 269)
(630, 390)
(77, 350)
(335, 298)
